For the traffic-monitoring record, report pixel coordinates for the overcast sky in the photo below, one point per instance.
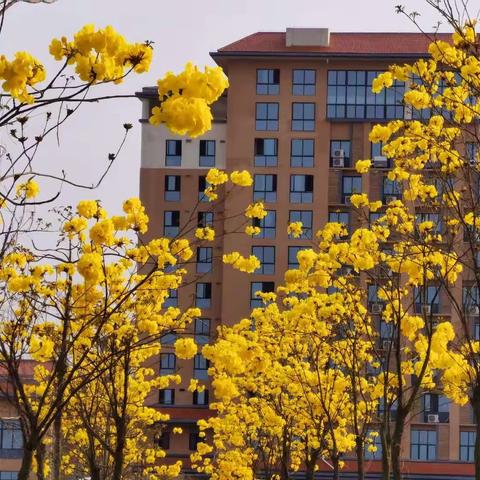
(182, 30)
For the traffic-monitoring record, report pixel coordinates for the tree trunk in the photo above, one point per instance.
(57, 447)
(336, 468)
(40, 457)
(359, 450)
(26, 467)
(475, 403)
(310, 465)
(397, 445)
(386, 452)
(119, 457)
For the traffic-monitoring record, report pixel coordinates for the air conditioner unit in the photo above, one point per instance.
(473, 310)
(432, 418)
(390, 198)
(340, 153)
(377, 308)
(348, 200)
(338, 162)
(426, 309)
(379, 161)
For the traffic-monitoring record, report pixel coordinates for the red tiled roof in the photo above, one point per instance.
(365, 43)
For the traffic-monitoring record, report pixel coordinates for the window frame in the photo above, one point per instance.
(302, 160)
(256, 302)
(272, 84)
(307, 226)
(262, 160)
(202, 335)
(204, 263)
(304, 196)
(207, 159)
(266, 268)
(269, 122)
(171, 361)
(200, 367)
(303, 86)
(418, 444)
(171, 229)
(205, 301)
(300, 121)
(266, 232)
(269, 192)
(172, 195)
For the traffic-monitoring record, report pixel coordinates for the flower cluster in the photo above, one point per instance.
(185, 99)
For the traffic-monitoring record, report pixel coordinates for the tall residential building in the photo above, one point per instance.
(297, 115)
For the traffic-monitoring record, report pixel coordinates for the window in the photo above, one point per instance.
(373, 217)
(202, 330)
(303, 82)
(350, 185)
(259, 287)
(302, 152)
(193, 440)
(301, 188)
(435, 404)
(10, 435)
(202, 186)
(171, 223)
(376, 442)
(265, 188)
(168, 363)
(392, 190)
(8, 475)
(372, 295)
(471, 151)
(430, 217)
(267, 224)
(303, 117)
(166, 396)
(204, 259)
(304, 216)
(172, 188)
(376, 150)
(172, 299)
(471, 300)
(266, 116)
(387, 334)
(266, 152)
(350, 95)
(200, 398)
(205, 219)
(266, 255)
(207, 153)
(268, 81)
(203, 295)
(292, 256)
(467, 446)
(200, 367)
(423, 444)
(168, 338)
(173, 153)
(427, 299)
(340, 217)
(340, 151)
(164, 439)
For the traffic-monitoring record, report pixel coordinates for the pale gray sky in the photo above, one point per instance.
(182, 30)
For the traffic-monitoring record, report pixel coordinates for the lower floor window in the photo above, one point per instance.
(423, 444)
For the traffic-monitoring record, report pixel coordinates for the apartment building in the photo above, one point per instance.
(297, 115)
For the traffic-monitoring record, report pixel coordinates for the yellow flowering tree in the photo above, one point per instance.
(89, 320)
